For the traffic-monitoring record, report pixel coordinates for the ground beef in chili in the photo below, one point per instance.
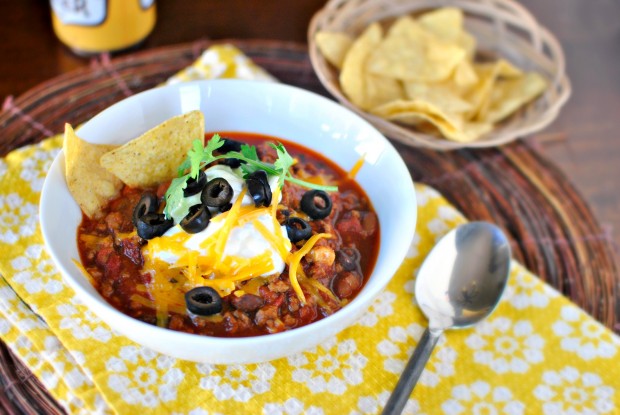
(111, 253)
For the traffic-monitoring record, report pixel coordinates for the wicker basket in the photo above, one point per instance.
(501, 28)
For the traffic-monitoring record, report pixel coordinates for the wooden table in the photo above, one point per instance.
(583, 141)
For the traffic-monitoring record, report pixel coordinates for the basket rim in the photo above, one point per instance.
(559, 86)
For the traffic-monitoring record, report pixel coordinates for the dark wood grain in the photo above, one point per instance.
(585, 139)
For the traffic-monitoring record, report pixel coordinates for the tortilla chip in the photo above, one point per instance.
(154, 157)
(506, 69)
(381, 90)
(467, 42)
(452, 126)
(91, 185)
(464, 76)
(446, 22)
(403, 109)
(333, 46)
(488, 73)
(362, 88)
(441, 95)
(475, 130)
(411, 53)
(422, 73)
(467, 132)
(353, 68)
(511, 94)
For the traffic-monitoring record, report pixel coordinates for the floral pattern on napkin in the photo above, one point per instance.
(537, 354)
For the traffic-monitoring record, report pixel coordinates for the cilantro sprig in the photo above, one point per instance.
(200, 155)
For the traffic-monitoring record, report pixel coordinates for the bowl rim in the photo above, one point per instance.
(98, 303)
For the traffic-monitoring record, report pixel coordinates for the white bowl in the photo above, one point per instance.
(266, 108)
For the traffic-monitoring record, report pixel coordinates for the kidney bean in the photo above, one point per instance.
(247, 302)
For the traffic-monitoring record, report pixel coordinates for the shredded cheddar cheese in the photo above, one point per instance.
(319, 287)
(276, 225)
(273, 239)
(320, 179)
(295, 259)
(252, 215)
(229, 222)
(253, 286)
(178, 263)
(243, 212)
(151, 304)
(356, 168)
(92, 241)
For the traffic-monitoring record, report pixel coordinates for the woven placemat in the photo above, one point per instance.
(552, 230)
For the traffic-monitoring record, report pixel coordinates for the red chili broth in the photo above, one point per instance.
(116, 269)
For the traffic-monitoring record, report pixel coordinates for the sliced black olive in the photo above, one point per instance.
(195, 185)
(348, 258)
(297, 229)
(232, 163)
(217, 193)
(197, 219)
(259, 189)
(152, 224)
(225, 208)
(316, 209)
(148, 204)
(203, 301)
(230, 145)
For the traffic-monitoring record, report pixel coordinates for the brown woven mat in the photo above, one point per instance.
(552, 229)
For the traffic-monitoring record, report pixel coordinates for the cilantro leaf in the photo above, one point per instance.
(248, 169)
(249, 155)
(249, 152)
(183, 167)
(174, 194)
(195, 156)
(283, 163)
(213, 144)
(310, 185)
(200, 156)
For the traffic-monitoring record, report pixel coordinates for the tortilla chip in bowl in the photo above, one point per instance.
(485, 55)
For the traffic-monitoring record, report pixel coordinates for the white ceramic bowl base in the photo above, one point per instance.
(248, 106)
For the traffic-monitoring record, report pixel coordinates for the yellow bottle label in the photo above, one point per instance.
(80, 12)
(94, 26)
(146, 3)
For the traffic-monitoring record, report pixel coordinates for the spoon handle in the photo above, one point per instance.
(412, 372)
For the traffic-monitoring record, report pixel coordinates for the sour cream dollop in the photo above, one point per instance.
(244, 240)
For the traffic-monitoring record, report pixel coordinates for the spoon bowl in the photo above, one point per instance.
(464, 275)
(460, 283)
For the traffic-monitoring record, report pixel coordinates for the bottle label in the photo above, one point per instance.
(82, 12)
(145, 4)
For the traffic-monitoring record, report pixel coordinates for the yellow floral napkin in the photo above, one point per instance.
(537, 354)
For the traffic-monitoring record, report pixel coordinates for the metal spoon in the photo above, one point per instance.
(459, 284)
